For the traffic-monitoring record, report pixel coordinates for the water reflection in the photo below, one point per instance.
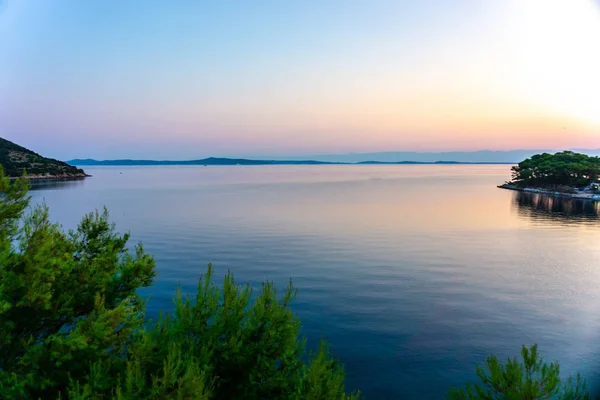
(56, 184)
(545, 207)
(402, 269)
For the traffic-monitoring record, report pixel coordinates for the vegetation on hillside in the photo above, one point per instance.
(16, 159)
(72, 326)
(566, 169)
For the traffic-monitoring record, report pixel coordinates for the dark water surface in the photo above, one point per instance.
(413, 273)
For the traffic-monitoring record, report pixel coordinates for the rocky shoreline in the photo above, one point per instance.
(61, 177)
(576, 195)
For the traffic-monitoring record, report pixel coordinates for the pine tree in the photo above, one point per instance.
(531, 379)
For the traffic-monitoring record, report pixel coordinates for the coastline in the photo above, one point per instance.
(44, 178)
(577, 196)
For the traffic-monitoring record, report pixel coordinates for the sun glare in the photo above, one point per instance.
(560, 57)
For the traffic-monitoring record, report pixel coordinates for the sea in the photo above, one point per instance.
(414, 274)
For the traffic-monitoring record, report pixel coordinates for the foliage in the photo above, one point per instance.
(561, 169)
(16, 159)
(65, 298)
(530, 380)
(73, 327)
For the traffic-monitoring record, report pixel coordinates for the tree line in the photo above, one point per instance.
(566, 168)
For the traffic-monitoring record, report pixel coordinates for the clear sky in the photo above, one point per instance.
(184, 79)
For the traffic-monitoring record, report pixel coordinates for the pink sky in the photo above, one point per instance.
(112, 79)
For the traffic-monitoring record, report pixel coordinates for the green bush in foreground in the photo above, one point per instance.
(531, 379)
(73, 327)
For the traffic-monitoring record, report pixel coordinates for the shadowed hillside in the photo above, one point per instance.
(14, 159)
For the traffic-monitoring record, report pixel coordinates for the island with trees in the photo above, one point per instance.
(565, 173)
(17, 160)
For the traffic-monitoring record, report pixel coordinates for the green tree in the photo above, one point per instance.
(531, 379)
(561, 169)
(73, 327)
(65, 298)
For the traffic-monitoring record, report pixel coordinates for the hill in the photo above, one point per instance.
(14, 159)
(467, 157)
(204, 161)
(457, 157)
(241, 161)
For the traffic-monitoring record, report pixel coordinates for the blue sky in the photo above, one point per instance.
(184, 79)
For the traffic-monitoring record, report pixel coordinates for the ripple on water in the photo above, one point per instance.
(414, 274)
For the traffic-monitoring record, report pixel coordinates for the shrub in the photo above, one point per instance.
(531, 379)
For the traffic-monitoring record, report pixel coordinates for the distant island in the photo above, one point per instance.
(15, 159)
(204, 161)
(511, 157)
(244, 161)
(565, 173)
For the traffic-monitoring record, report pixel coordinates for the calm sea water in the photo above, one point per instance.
(414, 274)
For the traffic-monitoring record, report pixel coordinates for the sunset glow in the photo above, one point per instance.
(109, 79)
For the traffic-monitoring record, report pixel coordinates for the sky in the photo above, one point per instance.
(187, 79)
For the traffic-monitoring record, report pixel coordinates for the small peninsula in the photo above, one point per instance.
(15, 159)
(566, 173)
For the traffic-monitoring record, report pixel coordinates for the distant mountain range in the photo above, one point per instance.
(240, 161)
(204, 161)
(481, 156)
(457, 157)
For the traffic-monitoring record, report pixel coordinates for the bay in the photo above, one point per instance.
(413, 273)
